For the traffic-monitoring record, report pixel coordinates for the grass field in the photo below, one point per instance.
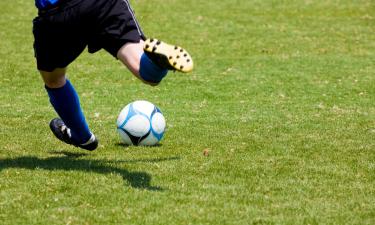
(282, 98)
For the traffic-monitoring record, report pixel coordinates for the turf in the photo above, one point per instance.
(276, 124)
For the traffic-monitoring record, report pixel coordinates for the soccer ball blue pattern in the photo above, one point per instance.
(141, 123)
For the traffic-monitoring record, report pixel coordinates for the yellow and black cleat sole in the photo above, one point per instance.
(168, 56)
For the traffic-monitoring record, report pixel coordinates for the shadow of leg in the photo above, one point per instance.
(139, 180)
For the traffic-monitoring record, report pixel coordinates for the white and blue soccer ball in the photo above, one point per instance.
(141, 123)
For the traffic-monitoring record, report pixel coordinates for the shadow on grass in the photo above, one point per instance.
(71, 161)
(77, 155)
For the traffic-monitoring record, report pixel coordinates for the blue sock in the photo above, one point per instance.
(65, 101)
(151, 72)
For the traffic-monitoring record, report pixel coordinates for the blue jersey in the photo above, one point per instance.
(41, 4)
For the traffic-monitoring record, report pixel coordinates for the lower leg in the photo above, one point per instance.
(133, 56)
(65, 101)
(150, 60)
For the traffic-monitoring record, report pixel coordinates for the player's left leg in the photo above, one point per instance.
(72, 128)
(60, 35)
(150, 60)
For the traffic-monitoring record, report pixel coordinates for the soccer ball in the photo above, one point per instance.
(141, 123)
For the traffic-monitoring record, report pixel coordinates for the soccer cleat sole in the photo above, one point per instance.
(176, 57)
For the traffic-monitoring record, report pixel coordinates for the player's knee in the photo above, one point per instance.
(55, 78)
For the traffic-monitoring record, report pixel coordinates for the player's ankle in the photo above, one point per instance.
(150, 72)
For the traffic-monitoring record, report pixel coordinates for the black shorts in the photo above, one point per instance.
(61, 33)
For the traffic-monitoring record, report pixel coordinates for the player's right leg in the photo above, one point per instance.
(148, 59)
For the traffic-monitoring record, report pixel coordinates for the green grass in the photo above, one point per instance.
(283, 97)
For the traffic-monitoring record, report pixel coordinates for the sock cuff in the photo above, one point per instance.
(91, 140)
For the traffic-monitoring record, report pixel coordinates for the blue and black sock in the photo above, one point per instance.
(65, 101)
(151, 72)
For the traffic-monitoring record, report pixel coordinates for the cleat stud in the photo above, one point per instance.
(175, 47)
(151, 40)
(147, 46)
(158, 43)
(178, 57)
(181, 50)
(170, 57)
(181, 67)
(185, 55)
(153, 49)
(175, 63)
(188, 60)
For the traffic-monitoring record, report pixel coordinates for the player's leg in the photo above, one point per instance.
(132, 55)
(123, 38)
(56, 45)
(72, 128)
(54, 79)
(151, 61)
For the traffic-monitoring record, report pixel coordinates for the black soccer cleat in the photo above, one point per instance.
(62, 132)
(168, 56)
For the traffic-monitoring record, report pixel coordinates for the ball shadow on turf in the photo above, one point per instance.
(123, 145)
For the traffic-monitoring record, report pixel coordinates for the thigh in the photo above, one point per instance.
(117, 27)
(56, 44)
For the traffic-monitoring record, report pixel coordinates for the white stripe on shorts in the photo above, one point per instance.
(132, 14)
